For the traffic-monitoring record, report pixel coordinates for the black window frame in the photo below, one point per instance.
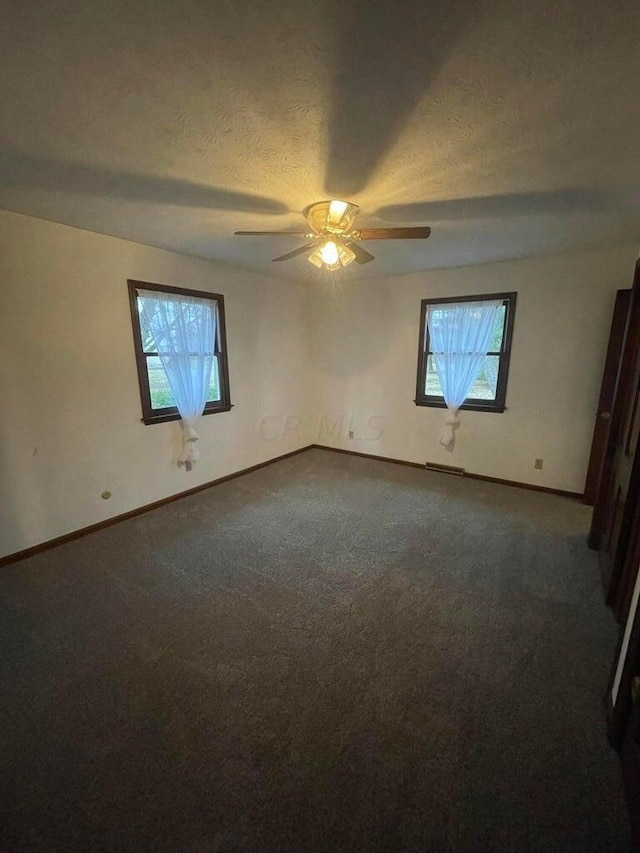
(171, 413)
(424, 350)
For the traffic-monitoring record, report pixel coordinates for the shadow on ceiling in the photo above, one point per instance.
(27, 171)
(387, 56)
(573, 200)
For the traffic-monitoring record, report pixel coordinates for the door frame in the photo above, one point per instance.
(619, 414)
(602, 426)
(624, 588)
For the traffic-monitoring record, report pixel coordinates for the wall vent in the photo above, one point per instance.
(444, 469)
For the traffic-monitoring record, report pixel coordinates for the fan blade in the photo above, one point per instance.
(394, 233)
(267, 233)
(299, 251)
(362, 256)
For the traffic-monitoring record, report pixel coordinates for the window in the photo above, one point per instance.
(490, 387)
(158, 401)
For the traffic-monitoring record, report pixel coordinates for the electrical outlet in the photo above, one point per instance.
(538, 464)
(350, 433)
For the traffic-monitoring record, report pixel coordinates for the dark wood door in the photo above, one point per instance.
(623, 694)
(617, 493)
(605, 402)
(616, 532)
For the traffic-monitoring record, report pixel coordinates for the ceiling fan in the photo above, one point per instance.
(334, 243)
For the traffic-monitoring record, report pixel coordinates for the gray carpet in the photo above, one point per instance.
(328, 654)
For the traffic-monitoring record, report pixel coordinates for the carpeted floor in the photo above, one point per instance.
(328, 654)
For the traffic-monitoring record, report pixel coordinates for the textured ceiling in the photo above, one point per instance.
(511, 127)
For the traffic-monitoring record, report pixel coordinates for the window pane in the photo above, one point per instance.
(496, 340)
(432, 385)
(180, 323)
(148, 344)
(214, 384)
(161, 393)
(484, 388)
(160, 390)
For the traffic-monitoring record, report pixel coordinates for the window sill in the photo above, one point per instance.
(465, 407)
(175, 416)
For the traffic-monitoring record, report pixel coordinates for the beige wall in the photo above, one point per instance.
(364, 348)
(70, 415)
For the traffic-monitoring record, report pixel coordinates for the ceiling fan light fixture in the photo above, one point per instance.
(337, 210)
(326, 255)
(346, 255)
(315, 259)
(332, 217)
(329, 253)
(332, 255)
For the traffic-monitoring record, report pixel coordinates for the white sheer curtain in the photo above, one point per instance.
(460, 334)
(184, 330)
